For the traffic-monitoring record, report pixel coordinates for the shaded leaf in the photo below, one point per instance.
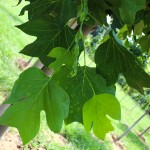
(61, 10)
(129, 8)
(113, 58)
(138, 28)
(145, 43)
(48, 36)
(81, 88)
(97, 10)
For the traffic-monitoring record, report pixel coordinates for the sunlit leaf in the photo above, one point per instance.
(32, 93)
(63, 57)
(95, 113)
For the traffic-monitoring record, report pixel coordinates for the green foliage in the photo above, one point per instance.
(95, 111)
(81, 88)
(128, 9)
(144, 42)
(63, 56)
(59, 46)
(138, 28)
(32, 93)
(49, 36)
(80, 139)
(58, 9)
(121, 62)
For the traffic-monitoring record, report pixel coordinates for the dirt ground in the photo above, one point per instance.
(11, 141)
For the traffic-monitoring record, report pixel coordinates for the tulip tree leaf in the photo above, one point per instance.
(81, 88)
(64, 10)
(129, 8)
(95, 113)
(63, 56)
(138, 28)
(61, 10)
(112, 58)
(49, 36)
(145, 43)
(89, 92)
(32, 93)
(97, 10)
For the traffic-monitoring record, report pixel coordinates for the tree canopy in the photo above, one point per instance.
(73, 92)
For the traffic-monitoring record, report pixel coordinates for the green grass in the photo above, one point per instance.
(73, 136)
(12, 40)
(128, 118)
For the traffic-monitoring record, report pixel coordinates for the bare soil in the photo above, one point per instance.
(12, 141)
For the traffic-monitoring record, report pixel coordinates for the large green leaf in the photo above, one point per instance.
(126, 10)
(61, 10)
(138, 28)
(129, 8)
(81, 88)
(64, 11)
(112, 58)
(49, 36)
(32, 93)
(63, 56)
(95, 113)
(97, 11)
(145, 43)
